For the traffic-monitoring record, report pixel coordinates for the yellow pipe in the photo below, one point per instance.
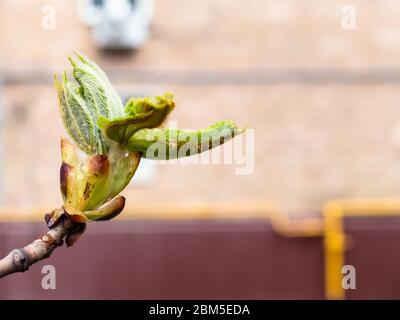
(334, 243)
(296, 227)
(335, 238)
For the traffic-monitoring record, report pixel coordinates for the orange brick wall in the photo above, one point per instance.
(313, 140)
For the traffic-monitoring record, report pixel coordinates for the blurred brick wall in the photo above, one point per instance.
(314, 141)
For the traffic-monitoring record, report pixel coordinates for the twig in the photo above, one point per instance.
(19, 260)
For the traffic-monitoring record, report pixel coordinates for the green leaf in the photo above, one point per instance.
(141, 113)
(164, 144)
(100, 95)
(94, 97)
(76, 117)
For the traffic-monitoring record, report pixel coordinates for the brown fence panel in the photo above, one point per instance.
(186, 259)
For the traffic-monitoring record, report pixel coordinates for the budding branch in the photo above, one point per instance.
(19, 260)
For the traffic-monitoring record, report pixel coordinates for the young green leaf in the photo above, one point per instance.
(76, 117)
(164, 144)
(101, 96)
(140, 113)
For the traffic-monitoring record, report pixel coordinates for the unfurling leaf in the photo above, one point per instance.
(164, 144)
(75, 115)
(82, 103)
(101, 96)
(140, 113)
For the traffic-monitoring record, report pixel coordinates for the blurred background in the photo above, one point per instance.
(318, 81)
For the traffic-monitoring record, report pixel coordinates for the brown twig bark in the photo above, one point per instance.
(19, 260)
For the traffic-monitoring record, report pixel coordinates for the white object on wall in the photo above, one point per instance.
(117, 24)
